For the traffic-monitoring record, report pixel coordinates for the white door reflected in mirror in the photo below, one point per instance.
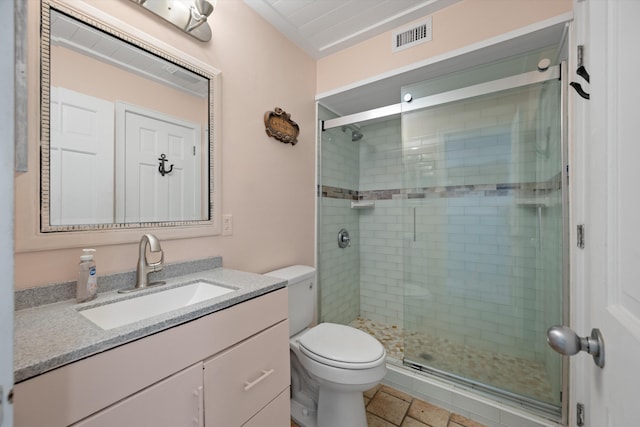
(84, 189)
(161, 158)
(82, 180)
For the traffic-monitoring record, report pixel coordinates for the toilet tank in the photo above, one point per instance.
(302, 295)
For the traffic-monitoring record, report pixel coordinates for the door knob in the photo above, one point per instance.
(563, 340)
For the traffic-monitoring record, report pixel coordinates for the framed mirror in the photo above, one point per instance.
(127, 130)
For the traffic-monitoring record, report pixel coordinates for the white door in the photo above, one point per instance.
(150, 196)
(609, 206)
(7, 137)
(82, 159)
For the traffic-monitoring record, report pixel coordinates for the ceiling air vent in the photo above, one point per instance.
(412, 36)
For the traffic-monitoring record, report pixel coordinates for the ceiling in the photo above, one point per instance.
(89, 41)
(323, 27)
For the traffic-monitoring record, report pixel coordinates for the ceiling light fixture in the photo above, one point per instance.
(188, 15)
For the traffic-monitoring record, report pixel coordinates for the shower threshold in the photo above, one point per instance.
(540, 408)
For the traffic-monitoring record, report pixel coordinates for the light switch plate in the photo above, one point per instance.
(227, 225)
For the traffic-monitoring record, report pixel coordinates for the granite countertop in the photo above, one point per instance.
(52, 335)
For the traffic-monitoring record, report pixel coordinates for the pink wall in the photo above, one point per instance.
(267, 186)
(457, 26)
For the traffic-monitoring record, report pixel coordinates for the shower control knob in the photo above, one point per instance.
(343, 238)
(565, 341)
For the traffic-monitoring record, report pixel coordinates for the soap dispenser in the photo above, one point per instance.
(87, 286)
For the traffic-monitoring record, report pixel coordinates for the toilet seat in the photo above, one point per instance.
(341, 346)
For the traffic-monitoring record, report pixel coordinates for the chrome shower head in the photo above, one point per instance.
(356, 135)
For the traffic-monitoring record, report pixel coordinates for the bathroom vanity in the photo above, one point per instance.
(228, 367)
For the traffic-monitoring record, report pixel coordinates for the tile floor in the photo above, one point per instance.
(388, 407)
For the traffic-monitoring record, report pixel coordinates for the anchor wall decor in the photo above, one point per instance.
(161, 168)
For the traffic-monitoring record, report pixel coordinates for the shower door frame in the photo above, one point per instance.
(480, 89)
(511, 82)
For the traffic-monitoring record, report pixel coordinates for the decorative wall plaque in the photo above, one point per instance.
(278, 125)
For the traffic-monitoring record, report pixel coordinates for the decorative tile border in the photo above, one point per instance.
(524, 190)
(337, 193)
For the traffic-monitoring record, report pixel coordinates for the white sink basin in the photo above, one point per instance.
(132, 310)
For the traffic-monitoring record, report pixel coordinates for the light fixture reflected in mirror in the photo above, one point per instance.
(188, 15)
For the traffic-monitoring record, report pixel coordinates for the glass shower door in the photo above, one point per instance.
(483, 254)
(338, 268)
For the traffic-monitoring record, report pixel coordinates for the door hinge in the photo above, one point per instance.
(580, 414)
(580, 236)
(194, 150)
(580, 53)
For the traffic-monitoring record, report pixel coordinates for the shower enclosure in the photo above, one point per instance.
(455, 204)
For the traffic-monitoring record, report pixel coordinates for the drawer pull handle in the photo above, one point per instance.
(249, 385)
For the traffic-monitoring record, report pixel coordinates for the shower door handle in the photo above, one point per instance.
(565, 341)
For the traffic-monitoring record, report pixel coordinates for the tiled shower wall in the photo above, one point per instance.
(339, 276)
(466, 245)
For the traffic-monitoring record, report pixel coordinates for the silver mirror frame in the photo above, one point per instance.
(45, 225)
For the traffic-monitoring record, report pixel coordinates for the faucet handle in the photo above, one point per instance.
(157, 266)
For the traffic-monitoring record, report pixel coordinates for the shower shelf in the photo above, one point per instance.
(537, 202)
(363, 204)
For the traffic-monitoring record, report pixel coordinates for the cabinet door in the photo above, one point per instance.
(174, 401)
(241, 381)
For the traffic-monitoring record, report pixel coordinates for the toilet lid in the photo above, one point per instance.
(341, 346)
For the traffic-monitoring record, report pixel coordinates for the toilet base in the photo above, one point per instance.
(338, 408)
(302, 415)
(323, 395)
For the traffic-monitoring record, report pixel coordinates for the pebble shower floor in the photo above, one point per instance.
(510, 373)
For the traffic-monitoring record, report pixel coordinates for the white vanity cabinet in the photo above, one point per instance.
(229, 368)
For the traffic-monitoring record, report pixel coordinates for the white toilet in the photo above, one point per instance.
(331, 365)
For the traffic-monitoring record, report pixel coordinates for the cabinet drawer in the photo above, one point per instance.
(275, 414)
(244, 379)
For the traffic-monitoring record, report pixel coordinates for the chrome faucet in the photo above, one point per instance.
(144, 267)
